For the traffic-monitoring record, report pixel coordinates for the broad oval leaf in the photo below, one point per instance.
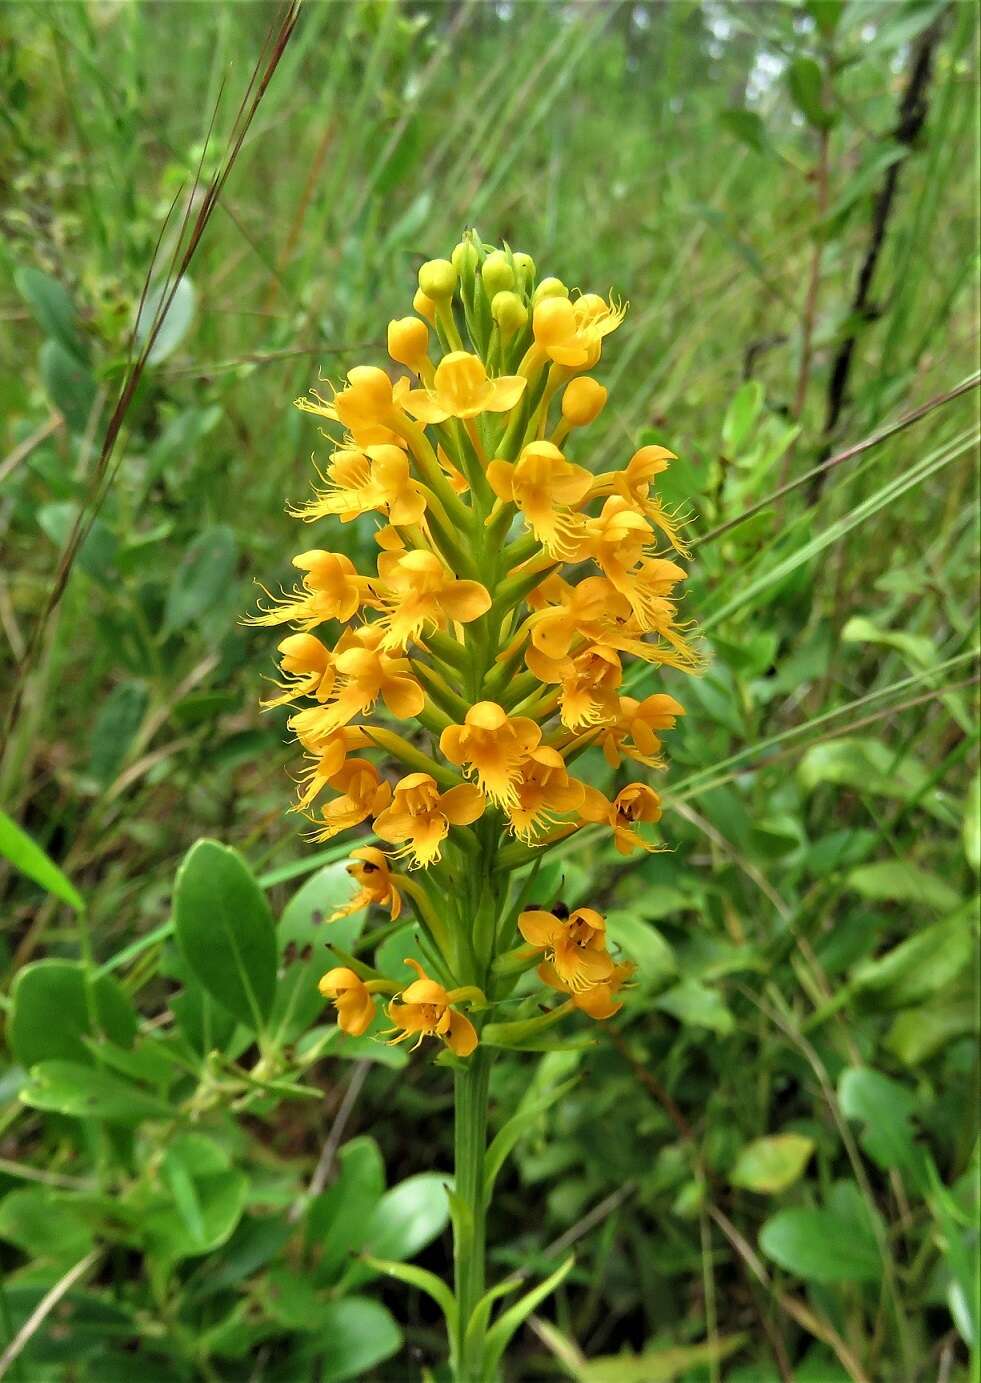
(226, 932)
(50, 1012)
(820, 1246)
(770, 1165)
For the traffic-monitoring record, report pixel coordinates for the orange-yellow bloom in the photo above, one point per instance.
(632, 733)
(588, 683)
(597, 1000)
(416, 590)
(327, 752)
(420, 816)
(620, 541)
(363, 793)
(333, 590)
(574, 944)
(425, 1008)
(366, 406)
(353, 1001)
(571, 332)
(563, 613)
(461, 389)
(363, 672)
(493, 745)
(545, 487)
(358, 481)
(633, 484)
(308, 667)
(543, 790)
(369, 869)
(636, 802)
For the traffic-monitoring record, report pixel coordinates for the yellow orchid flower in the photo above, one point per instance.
(363, 673)
(636, 802)
(308, 668)
(424, 1009)
(332, 590)
(327, 753)
(597, 1001)
(415, 590)
(574, 944)
(546, 488)
(358, 481)
(376, 886)
(367, 407)
(543, 791)
(461, 389)
(632, 733)
(571, 332)
(363, 792)
(633, 484)
(421, 816)
(352, 999)
(493, 745)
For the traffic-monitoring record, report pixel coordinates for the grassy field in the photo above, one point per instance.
(767, 1164)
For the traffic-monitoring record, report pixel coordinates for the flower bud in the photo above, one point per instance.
(437, 279)
(509, 312)
(497, 274)
(550, 288)
(425, 306)
(464, 258)
(524, 267)
(408, 341)
(583, 401)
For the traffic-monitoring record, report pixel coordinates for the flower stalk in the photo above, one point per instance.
(481, 658)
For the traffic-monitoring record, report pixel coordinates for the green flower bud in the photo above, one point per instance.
(550, 288)
(465, 258)
(509, 312)
(524, 267)
(437, 279)
(497, 273)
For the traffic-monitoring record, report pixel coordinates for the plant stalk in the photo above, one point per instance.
(469, 1144)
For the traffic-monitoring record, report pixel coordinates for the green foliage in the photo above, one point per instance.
(791, 1084)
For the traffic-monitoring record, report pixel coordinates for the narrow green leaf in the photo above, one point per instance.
(515, 1128)
(24, 854)
(500, 1333)
(424, 1280)
(202, 578)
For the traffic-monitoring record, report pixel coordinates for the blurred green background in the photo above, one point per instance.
(787, 194)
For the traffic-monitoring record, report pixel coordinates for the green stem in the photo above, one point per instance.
(469, 1145)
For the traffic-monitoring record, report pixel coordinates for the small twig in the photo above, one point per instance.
(44, 1308)
(326, 1160)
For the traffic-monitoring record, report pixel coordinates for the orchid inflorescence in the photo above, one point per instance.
(511, 586)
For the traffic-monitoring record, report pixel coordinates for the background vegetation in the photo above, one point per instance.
(788, 194)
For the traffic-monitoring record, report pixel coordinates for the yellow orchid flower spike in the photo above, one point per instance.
(464, 699)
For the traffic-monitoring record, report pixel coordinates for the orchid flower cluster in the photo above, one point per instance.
(486, 651)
